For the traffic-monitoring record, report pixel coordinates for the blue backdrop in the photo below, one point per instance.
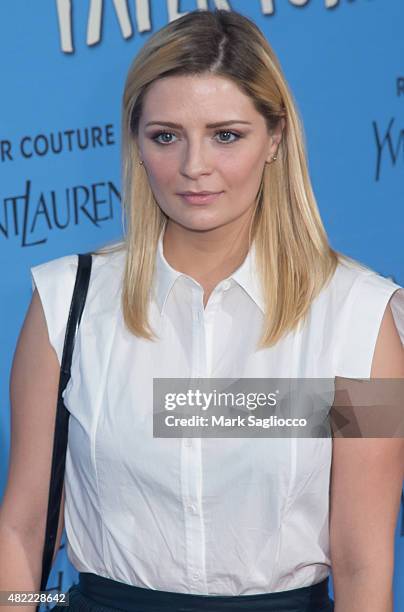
(63, 66)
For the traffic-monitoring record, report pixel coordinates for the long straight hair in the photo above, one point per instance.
(293, 256)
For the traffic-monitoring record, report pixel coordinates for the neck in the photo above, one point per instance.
(208, 256)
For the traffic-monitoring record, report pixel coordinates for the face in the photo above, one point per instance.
(193, 156)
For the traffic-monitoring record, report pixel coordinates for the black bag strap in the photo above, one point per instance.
(62, 415)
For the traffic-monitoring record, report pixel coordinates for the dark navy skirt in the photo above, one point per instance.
(95, 593)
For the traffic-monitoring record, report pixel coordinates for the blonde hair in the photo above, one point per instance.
(293, 257)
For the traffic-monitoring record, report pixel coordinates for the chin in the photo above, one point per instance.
(200, 224)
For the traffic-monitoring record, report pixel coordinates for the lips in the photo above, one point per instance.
(198, 193)
(203, 197)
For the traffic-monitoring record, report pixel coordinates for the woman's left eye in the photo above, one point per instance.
(237, 136)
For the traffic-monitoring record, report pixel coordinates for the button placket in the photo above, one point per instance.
(209, 327)
(191, 469)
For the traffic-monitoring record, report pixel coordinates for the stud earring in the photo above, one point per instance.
(274, 158)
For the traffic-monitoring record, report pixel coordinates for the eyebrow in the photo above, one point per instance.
(208, 125)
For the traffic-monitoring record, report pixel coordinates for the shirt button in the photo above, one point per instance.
(192, 508)
(226, 285)
(195, 575)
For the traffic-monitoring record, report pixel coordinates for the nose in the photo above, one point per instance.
(195, 160)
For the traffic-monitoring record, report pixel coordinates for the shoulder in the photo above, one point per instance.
(55, 278)
(60, 268)
(352, 275)
(355, 285)
(360, 299)
(60, 273)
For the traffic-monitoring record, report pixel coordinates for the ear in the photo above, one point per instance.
(275, 139)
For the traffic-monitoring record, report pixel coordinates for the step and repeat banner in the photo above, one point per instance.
(63, 67)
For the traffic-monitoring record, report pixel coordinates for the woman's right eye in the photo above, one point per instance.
(156, 136)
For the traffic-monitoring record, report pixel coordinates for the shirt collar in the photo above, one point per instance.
(246, 276)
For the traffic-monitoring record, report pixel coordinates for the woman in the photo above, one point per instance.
(237, 283)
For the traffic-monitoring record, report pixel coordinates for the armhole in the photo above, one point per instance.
(397, 308)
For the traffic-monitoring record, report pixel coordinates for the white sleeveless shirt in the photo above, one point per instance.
(217, 516)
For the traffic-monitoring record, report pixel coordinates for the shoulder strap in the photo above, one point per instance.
(402, 514)
(62, 415)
